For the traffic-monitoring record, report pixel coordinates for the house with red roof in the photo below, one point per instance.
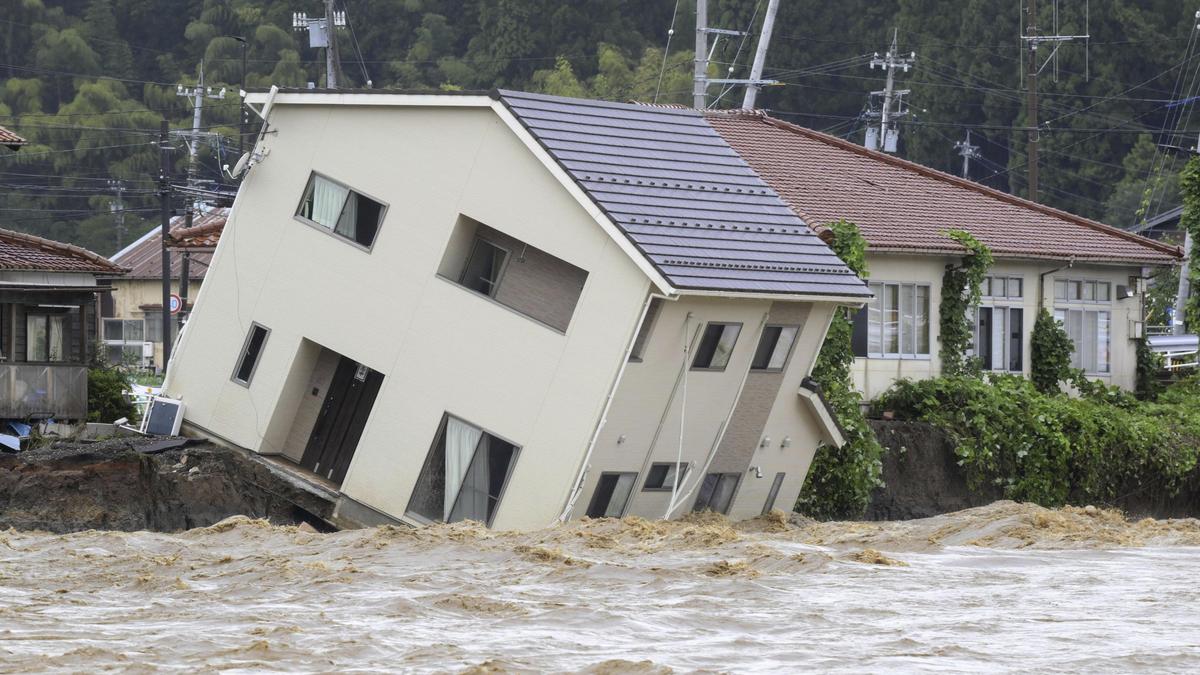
(132, 321)
(48, 325)
(11, 141)
(1091, 276)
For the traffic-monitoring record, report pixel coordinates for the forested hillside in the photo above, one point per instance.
(87, 82)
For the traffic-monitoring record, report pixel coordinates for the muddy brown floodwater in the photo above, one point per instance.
(1002, 587)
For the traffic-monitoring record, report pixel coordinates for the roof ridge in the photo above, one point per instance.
(64, 249)
(955, 180)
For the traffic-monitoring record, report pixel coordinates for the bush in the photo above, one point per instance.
(1050, 353)
(1052, 449)
(107, 400)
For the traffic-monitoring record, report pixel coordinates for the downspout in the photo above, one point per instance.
(612, 393)
(1042, 281)
(712, 452)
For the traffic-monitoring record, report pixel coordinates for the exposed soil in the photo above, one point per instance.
(117, 485)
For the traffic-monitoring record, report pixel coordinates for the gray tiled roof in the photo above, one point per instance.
(685, 199)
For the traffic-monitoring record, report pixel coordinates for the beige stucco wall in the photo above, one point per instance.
(643, 424)
(873, 376)
(441, 348)
(130, 294)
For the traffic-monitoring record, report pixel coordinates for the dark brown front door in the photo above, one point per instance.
(340, 424)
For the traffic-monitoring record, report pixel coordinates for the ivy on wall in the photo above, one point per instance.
(961, 290)
(1050, 353)
(840, 480)
(1189, 189)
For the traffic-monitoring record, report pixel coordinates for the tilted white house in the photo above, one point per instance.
(512, 308)
(1090, 276)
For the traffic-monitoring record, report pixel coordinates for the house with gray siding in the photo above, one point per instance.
(514, 309)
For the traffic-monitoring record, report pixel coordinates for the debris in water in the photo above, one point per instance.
(872, 557)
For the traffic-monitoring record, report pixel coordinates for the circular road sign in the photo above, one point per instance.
(176, 303)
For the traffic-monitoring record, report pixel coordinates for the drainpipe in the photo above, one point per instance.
(612, 392)
(712, 452)
(1042, 282)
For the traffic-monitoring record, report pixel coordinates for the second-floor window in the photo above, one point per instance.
(340, 210)
(897, 321)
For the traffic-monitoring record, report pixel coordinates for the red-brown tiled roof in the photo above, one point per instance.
(901, 206)
(10, 139)
(27, 253)
(144, 256)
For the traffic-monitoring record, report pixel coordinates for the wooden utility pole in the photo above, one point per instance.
(332, 60)
(1031, 99)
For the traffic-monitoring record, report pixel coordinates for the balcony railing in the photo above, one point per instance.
(32, 389)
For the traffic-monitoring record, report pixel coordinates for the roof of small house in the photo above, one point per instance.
(10, 139)
(685, 199)
(29, 253)
(901, 206)
(144, 256)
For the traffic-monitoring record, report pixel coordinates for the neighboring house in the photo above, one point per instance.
(10, 140)
(133, 313)
(1091, 276)
(48, 319)
(512, 308)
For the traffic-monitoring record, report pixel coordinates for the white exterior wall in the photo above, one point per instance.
(440, 347)
(643, 424)
(873, 376)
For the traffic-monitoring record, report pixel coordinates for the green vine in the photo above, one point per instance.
(1054, 449)
(1050, 353)
(1189, 190)
(840, 480)
(961, 290)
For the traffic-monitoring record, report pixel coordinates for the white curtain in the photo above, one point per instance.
(461, 440)
(328, 199)
(57, 330)
(347, 225)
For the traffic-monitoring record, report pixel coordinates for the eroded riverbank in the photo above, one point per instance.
(1007, 586)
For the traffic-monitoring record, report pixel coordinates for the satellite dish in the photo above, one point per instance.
(240, 167)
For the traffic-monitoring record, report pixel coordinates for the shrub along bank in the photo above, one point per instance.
(1052, 449)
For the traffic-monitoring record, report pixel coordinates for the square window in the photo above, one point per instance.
(716, 346)
(998, 288)
(340, 210)
(1015, 287)
(1060, 289)
(1103, 291)
(662, 475)
(1074, 290)
(985, 287)
(1089, 291)
(250, 353)
(774, 347)
(484, 267)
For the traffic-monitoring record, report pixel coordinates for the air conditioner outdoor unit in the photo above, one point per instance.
(147, 353)
(1136, 330)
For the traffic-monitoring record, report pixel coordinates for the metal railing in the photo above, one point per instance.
(33, 389)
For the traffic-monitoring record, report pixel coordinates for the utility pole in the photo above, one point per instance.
(967, 152)
(322, 34)
(197, 93)
(242, 112)
(118, 208)
(1034, 68)
(704, 52)
(886, 136)
(164, 195)
(760, 56)
(700, 62)
(1031, 99)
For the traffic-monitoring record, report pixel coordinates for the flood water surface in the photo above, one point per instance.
(1004, 587)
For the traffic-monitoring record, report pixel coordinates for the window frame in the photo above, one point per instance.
(773, 494)
(237, 366)
(665, 487)
(332, 231)
(1084, 311)
(786, 357)
(596, 493)
(461, 281)
(900, 354)
(32, 313)
(1083, 282)
(738, 478)
(637, 351)
(696, 352)
(439, 433)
